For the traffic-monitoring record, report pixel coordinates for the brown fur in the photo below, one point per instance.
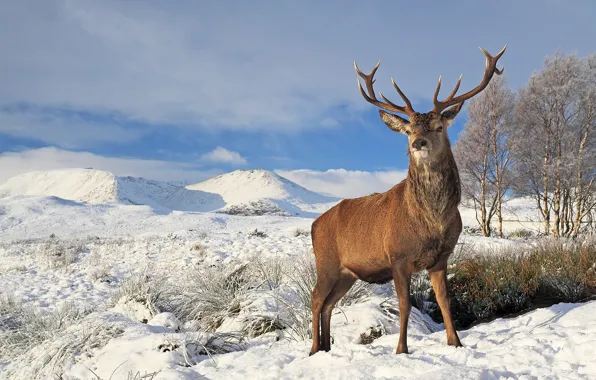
(412, 227)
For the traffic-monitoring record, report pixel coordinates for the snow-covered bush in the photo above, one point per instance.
(520, 233)
(257, 233)
(206, 296)
(56, 253)
(301, 232)
(297, 309)
(139, 297)
(63, 345)
(24, 327)
(421, 293)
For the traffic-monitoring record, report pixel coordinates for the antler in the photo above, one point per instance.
(491, 69)
(372, 98)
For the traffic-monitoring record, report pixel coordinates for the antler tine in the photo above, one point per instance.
(490, 70)
(402, 95)
(372, 98)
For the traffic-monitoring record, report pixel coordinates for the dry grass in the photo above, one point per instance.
(483, 286)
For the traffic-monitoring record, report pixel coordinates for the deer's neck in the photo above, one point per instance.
(435, 187)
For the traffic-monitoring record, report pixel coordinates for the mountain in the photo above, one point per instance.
(97, 186)
(258, 192)
(242, 192)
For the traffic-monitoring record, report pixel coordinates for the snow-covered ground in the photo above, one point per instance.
(65, 243)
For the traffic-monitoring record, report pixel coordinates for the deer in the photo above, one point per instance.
(411, 227)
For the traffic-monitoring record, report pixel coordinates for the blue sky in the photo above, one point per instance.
(196, 88)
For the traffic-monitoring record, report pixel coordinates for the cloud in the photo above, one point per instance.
(63, 128)
(344, 183)
(220, 154)
(14, 163)
(254, 65)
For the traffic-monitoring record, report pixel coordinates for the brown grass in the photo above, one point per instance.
(487, 285)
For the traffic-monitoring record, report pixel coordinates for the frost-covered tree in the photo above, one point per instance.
(554, 146)
(482, 152)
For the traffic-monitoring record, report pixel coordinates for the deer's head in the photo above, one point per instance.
(427, 132)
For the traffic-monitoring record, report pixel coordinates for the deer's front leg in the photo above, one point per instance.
(401, 278)
(438, 278)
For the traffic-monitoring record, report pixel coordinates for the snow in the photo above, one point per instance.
(95, 217)
(99, 187)
(252, 192)
(246, 188)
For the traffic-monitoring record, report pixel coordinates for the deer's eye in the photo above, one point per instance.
(440, 129)
(408, 132)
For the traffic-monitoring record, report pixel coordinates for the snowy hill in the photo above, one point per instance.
(257, 192)
(97, 186)
(242, 192)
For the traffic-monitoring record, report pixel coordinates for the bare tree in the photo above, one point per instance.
(554, 146)
(482, 153)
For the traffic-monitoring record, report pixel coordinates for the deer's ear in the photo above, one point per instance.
(394, 122)
(448, 116)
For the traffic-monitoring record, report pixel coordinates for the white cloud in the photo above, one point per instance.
(14, 163)
(220, 154)
(344, 183)
(250, 66)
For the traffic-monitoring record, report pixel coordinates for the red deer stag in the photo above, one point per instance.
(413, 226)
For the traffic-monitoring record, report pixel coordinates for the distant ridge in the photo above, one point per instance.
(242, 192)
(98, 186)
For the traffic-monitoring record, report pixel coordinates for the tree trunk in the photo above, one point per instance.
(579, 186)
(545, 207)
(485, 223)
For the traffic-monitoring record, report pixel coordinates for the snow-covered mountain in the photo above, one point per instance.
(97, 186)
(257, 192)
(242, 192)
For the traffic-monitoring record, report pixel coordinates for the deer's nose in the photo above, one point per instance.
(419, 143)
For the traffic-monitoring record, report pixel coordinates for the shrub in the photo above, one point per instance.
(359, 292)
(140, 289)
(297, 313)
(301, 232)
(257, 233)
(371, 335)
(56, 253)
(62, 344)
(23, 327)
(272, 271)
(484, 285)
(520, 233)
(421, 292)
(205, 297)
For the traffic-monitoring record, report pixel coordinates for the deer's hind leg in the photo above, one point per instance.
(323, 287)
(340, 288)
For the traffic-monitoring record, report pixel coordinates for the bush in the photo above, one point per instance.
(205, 297)
(297, 313)
(483, 286)
(421, 292)
(23, 327)
(64, 341)
(520, 233)
(301, 232)
(257, 233)
(56, 253)
(140, 297)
